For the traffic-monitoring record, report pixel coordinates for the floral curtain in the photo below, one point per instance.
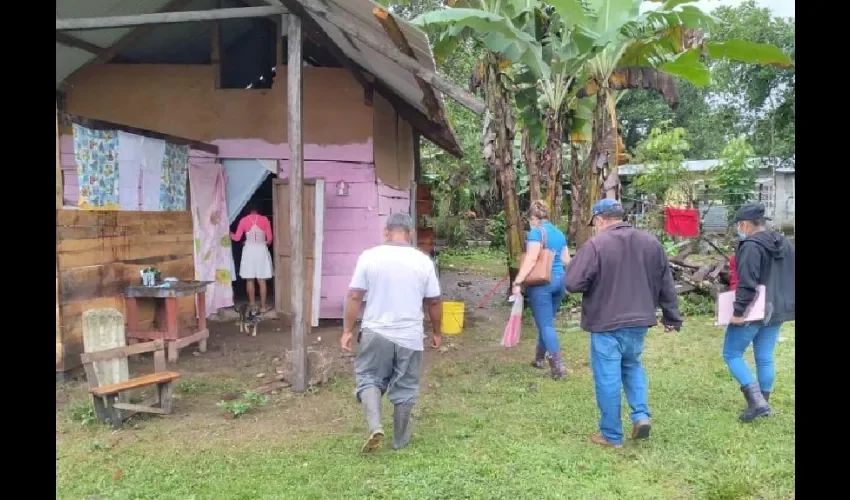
(213, 255)
(172, 190)
(96, 155)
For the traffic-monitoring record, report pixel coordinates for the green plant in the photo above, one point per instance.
(496, 228)
(735, 175)
(663, 154)
(238, 407)
(695, 304)
(82, 412)
(571, 301)
(255, 398)
(671, 245)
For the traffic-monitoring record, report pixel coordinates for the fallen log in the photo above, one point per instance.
(707, 279)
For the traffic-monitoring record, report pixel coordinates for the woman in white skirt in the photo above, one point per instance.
(256, 261)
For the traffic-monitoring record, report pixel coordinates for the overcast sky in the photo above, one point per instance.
(782, 8)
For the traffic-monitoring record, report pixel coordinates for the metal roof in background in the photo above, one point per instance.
(781, 166)
(181, 43)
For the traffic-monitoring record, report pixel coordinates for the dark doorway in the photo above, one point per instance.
(262, 198)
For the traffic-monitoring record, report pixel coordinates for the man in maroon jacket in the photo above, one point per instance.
(624, 276)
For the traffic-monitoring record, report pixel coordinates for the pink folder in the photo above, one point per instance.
(725, 306)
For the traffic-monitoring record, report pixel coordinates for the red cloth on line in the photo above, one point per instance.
(733, 274)
(683, 222)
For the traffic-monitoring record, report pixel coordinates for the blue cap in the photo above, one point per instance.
(608, 207)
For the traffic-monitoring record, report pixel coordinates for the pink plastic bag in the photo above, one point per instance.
(512, 329)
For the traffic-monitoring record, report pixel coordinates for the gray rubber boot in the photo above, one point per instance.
(539, 357)
(401, 425)
(370, 398)
(757, 406)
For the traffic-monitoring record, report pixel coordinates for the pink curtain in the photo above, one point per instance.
(213, 254)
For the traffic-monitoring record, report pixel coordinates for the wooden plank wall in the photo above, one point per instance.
(99, 253)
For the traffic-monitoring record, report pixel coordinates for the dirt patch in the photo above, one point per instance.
(481, 294)
(236, 362)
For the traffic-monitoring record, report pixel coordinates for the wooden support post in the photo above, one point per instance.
(295, 139)
(59, 184)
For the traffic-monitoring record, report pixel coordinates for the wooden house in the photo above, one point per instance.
(369, 95)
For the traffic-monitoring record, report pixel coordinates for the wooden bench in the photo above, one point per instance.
(105, 397)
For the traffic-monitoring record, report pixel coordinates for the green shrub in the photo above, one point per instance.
(497, 228)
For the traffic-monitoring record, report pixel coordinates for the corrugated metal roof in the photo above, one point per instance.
(70, 59)
(359, 13)
(705, 165)
(177, 43)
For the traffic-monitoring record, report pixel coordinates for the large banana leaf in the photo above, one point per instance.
(669, 4)
(608, 19)
(581, 128)
(749, 52)
(687, 65)
(479, 20)
(496, 32)
(570, 11)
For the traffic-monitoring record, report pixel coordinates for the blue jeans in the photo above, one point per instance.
(545, 301)
(615, 361)
(763, 338)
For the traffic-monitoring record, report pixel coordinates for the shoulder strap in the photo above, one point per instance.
(542, 236)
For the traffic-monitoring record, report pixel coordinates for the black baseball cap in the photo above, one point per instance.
(750, 211)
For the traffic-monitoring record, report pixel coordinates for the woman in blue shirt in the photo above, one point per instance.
(545, 299)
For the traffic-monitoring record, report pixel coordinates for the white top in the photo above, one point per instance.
(396, 278)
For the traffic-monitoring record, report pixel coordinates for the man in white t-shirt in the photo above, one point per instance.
(400, 281)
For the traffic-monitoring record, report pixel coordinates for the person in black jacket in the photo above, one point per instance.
(763, 257)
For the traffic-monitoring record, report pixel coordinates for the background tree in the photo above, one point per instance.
(735, 175)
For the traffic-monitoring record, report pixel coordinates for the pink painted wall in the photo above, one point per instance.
(353, 223)
(391, 200)
(70, 181)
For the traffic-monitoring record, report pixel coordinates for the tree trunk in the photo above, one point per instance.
(553, 161)
(603, 177)
(577, 215)
(502, 132)
(529, 157)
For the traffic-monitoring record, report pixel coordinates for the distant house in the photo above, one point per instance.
(775, 187)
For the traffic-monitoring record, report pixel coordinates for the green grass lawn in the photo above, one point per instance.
(488, 426)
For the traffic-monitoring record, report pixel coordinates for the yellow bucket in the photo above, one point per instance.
(452, 323)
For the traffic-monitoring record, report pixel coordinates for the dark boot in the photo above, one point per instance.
(370, 398)
(401, 425)
(641, 428)
(766, 398)
(539, 357)
(756, 404)
(557, 366)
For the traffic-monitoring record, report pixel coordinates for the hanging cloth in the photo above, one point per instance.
(682, 222)
(733, 274)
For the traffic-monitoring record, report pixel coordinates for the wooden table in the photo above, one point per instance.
(165, 298)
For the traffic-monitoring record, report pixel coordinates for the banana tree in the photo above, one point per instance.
(644, 50)
(545, 95)
(497, 25)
